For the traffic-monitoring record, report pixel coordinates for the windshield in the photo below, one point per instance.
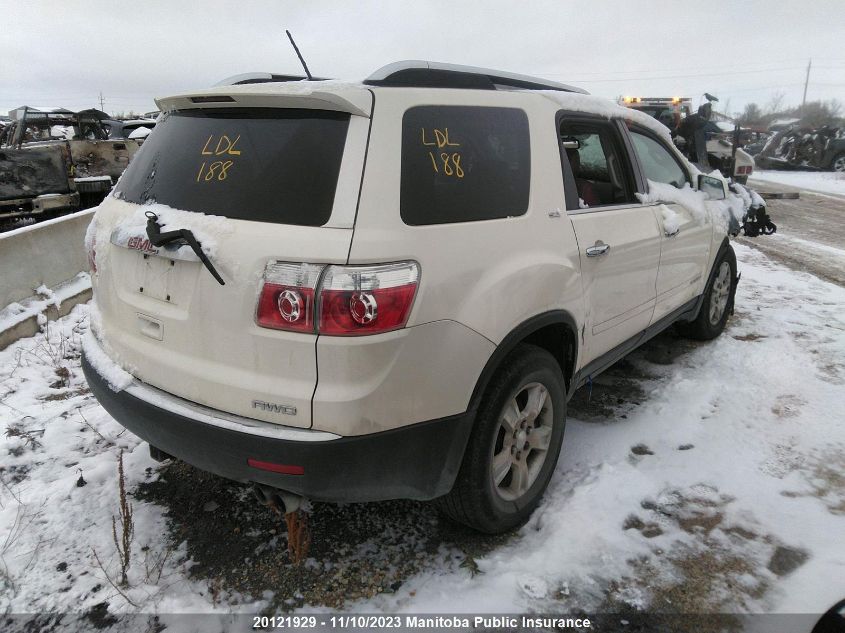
(267, 165)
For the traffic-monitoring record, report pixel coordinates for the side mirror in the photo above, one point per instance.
(713, 187)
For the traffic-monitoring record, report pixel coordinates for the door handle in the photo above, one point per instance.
(672, 233)
(598, 249)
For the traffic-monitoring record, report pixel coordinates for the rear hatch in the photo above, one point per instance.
(254, 184)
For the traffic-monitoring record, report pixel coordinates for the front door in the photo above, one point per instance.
(685, 230)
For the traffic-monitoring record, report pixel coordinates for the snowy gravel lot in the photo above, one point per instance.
(821, 181)
(694, 478)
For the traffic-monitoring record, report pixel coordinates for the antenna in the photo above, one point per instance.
(298, 54)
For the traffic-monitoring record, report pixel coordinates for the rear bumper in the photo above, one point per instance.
(419, 461)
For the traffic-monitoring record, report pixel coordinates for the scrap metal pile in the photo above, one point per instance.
(802, 147)
(54, 160)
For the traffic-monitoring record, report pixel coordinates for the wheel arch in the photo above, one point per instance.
(693, 314)
(555, 331)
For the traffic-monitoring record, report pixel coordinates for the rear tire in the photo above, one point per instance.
(838, 163)
(514, 446)
(718, 301)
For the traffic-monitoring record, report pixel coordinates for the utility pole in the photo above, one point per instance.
(101, 98)
(806, 81)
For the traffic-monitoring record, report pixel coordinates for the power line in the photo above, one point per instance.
(657, 77)
(661, 70)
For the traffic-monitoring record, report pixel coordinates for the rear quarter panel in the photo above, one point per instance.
(490, 275)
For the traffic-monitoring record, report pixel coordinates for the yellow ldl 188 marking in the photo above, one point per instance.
(449, 162)
(218, 169)
(225, 145)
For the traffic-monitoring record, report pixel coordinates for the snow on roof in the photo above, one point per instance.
(606, 108)
(46, 109)
(18, 112)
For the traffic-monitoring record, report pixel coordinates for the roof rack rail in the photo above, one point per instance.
(424, 74)
(261, 78)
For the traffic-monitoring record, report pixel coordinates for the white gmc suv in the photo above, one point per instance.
(389, 289)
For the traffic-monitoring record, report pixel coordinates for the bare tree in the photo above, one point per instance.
(751, 115)
(775, 103)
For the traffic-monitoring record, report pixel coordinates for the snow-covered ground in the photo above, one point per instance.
(822, 181)
(720, 489)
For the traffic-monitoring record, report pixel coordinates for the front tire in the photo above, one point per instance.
(514, 446)
(838, 163)
(718, 300)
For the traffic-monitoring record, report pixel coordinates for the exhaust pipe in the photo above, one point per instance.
(294, 509)
(280, 501)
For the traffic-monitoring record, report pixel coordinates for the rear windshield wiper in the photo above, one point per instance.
(157, 238)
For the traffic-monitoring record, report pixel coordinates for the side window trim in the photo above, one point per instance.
(639, 175)
(654, 137)
(627, 157)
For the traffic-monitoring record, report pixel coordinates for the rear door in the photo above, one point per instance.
(255, 186)
(686, 231)
(618, 238)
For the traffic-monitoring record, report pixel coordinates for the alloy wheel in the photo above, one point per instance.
(720, 294)
(522, 441)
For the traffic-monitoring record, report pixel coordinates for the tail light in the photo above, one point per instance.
(366, 299)
(287, 301)
(337, 300)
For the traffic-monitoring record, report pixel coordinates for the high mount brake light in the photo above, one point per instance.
(348, 300)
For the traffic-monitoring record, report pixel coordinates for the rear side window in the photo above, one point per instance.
(464, 163)
(598, 164)
(267, 165)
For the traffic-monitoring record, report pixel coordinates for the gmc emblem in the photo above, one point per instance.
(141, 244)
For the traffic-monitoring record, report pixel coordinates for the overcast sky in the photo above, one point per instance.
(65, 53)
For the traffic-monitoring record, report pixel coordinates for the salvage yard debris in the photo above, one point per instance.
(53, 160)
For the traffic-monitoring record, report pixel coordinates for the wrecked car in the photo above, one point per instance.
(96, 161)
(804, 147)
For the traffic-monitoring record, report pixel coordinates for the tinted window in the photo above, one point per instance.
(656, 161)
(597, 164)
(464, 163)
(264, 165)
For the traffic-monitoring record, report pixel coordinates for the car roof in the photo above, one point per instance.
(268, 89)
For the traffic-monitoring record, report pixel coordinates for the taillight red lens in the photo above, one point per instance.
(287, 301)
(356, 300)
(286, 308)
(342, 312)
(350, 300)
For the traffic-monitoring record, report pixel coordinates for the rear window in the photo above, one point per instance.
(266, 165)
(464, 163)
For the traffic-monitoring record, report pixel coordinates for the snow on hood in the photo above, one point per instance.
(605, 108)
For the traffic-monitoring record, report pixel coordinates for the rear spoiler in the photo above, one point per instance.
(317, 95)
